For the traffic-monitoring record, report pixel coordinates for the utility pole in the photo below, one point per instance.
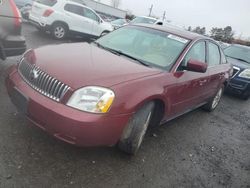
(150, 10)
(164, 15)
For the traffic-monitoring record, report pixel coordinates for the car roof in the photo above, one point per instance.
(176, 31)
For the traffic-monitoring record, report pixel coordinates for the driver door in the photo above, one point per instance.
(191, 86)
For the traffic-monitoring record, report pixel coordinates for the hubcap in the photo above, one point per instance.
(145, 126)
(59, 32)
(217, 99)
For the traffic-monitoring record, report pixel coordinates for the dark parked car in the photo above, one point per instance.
(109, 92)
(239, 57)
(11, 41)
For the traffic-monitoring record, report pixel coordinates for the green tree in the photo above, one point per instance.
(199, 30)
(220, 34)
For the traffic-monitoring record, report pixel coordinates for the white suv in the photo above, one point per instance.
(63, 17)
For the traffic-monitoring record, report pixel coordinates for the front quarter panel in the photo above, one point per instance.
(132, 95)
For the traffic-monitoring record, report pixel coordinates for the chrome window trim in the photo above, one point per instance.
(189, 48)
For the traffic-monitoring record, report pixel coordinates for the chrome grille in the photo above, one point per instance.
(42, 82)
(235, 71)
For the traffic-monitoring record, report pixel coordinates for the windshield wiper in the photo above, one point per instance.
(238, 59)
(106, 48)
(118, 52)
(134, 58)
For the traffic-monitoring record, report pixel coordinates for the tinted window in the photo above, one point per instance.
(47, 2)
(238, 52)
(90, 14)
(153, 47)
(197, 52)
(213, 54)
(74, 9)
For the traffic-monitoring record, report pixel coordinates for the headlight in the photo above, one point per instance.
(92, 99)
(245, 74)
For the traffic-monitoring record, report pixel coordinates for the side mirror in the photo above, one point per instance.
(196, 66)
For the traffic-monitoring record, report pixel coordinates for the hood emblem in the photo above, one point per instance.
(33, 74)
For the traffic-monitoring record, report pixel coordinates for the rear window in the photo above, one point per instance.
(47, 2)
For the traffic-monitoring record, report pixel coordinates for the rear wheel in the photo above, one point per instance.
(59, 31)
(135, 130)
(213, 103)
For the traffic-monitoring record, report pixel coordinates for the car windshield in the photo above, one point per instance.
(237, 52)
(118, 22)
(143, 20)
(149, 46)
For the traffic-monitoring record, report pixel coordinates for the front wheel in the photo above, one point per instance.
(135, 130)
(245, 96)
(213, 103)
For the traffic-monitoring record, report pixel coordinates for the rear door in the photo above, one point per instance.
(191, 86)
(77, 19)
(215, 68)
(74, 17)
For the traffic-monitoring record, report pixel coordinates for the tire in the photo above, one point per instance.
(59, 31)
(245, 96)
(213, 103)
(135, 130)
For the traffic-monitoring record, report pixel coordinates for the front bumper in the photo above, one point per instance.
(65, 123)
(239, 86)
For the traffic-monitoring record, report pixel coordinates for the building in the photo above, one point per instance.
(105, 9)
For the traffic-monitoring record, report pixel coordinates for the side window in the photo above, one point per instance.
(197, 52)
(74, 9)
(213, 54)
(90, 14)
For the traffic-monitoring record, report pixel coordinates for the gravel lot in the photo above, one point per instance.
(199, 149)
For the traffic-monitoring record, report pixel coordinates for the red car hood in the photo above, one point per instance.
(83, 64)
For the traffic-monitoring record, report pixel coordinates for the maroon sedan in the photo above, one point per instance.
(109, 92)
